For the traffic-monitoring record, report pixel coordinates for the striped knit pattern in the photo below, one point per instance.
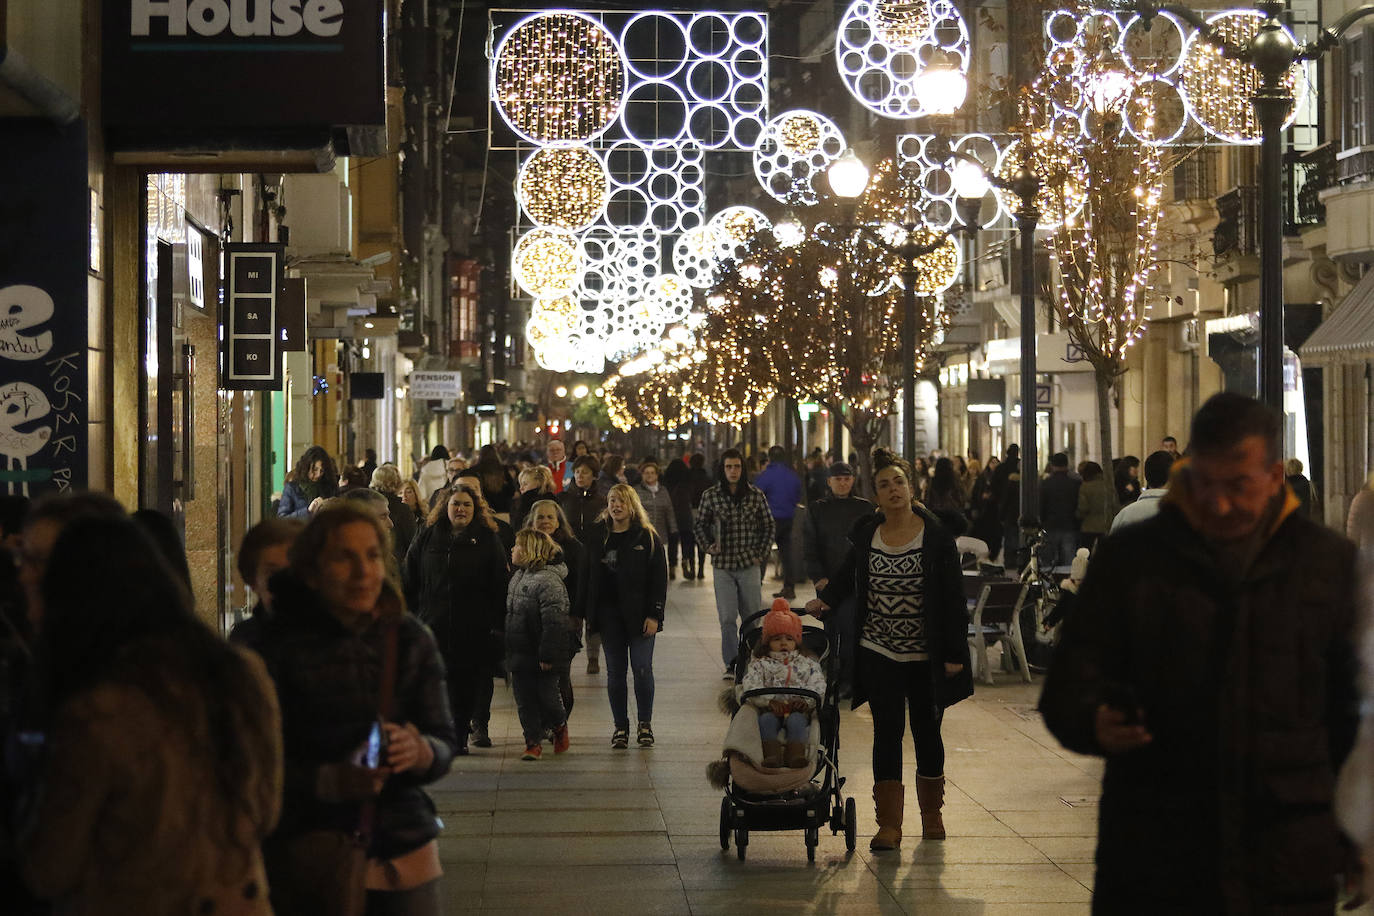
(896, 623)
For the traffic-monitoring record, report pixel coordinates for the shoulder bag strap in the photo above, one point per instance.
(367, 815)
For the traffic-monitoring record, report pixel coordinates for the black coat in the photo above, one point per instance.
(575, 559)
(945, 606)
(457, 585)
(677, 477)
(403, 525)
(698, 482)
(328, 680)
(829, 522)
(1059, 502)
(641, 579)
(581, 507)
(1248, 691)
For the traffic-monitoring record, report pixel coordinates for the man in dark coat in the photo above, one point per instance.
(1058, 511)
(1210, 661)
(826, 545)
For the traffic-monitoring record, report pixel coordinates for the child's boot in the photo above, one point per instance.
(795, 755)
(889, 799)
(930, 795)
(772, 754)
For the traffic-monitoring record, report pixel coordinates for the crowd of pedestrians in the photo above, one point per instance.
(1207, 651)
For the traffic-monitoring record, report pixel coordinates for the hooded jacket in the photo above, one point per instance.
(537, 615)
(1244, 673)
(328, 677)
(641, 579)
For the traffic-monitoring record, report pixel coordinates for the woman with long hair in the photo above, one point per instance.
(164, 771)
(455, 578)
(314, 480)
(547, 516)
(410, 495)
(536, 483)
(626, 589)
(945, 497)
(698, 482)
(366, 725)
(498, 486)
(912, 657)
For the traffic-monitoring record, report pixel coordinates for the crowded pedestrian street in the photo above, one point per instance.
(599, 831)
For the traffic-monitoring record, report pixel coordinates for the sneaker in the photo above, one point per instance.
(533, 752)
(644, 735)
(560, 739)
(621, 739)
(479, 735)
(729, 674)
(787, 593)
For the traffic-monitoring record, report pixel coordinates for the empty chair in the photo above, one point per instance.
(995, 608)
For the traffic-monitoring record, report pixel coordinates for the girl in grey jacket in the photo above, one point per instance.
(537, 638)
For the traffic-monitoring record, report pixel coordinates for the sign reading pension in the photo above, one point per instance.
(44, 254)
(435, 385)
(236, 65)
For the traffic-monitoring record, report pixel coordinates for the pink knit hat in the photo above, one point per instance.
(781, 621)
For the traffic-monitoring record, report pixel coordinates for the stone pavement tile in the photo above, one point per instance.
(625, 848)
(957, 850)
(464, 850)
(990, 883)
(642, 877)
(1082, 872)
(462, 888)
(559, 799)
(537, 778)
(875, 902)
(619, 899)
(534, 823)
(1068, 822)
(1067, 849)
(467, 825)
(451, 802)
(949, 906)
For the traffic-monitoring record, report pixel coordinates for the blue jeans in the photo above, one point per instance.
(739, 593)
(1060, 546)
(627, 652)
(797, 725)
(839, 626)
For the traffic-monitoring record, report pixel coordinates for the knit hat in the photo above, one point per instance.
(781, 621)
(1078, 569)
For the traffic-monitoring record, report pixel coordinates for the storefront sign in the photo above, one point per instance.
(250, 339)
(435, 386)
(44, 252)
(242, 65)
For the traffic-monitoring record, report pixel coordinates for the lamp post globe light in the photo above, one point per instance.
(1273, 52)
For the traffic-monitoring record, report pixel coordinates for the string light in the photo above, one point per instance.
(901, 23)
(548, 263)
(1219, 89)
(563, 186)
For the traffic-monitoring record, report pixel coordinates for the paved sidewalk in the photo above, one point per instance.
(635, 831)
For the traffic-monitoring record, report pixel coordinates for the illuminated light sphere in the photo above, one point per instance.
(969, 179)
(565, 187)
(795, 148)
(548, 263)
(937, 271)
(1053, 158)
(901, 23)
(1219, 90)
(881, 65)
(558, 78)
(694, 257)
(671, 296)
(555, 317)
(789, 233)
(731, 229)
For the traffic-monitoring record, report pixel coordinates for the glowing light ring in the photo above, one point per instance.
(901, 23)
(663, 17)
(914, 149)
(867, 64)
(672, 296)
(1218, 91)
(548, 263)
(572, 62)
(795, 149)
(731, 228)
(563, 186)
(694, 257)
(706, 17)
(1142, 130)
(1062, 195)
(661, 88)
(1136, 26)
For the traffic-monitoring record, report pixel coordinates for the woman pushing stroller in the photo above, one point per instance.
(779, 661)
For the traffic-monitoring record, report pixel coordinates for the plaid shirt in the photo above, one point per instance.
(742, 528)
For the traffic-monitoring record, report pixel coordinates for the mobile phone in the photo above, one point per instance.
(376, 744)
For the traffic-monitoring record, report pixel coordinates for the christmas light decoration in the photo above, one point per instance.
(880, 49)
(1218, 90)
(548, 263)
(558, 78)
(731, 229)
(901, 23)
(565, 187)
(793, 153)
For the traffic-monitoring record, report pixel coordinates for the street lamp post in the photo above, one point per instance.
(1272, 52)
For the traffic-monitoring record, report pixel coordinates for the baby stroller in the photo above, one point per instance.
(809, 799)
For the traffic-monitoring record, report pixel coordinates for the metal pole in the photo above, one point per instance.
(1027, 187)
(1271, 107)
(909, 277)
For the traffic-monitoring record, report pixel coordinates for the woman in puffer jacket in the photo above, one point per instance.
(537, 638)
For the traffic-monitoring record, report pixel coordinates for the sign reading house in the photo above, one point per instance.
(226, 66)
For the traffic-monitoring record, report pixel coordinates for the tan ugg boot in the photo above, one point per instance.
(795, 755)
(889, 799)
(772, 754)
(930, 795)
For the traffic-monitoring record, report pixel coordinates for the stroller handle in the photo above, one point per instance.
(782, 691)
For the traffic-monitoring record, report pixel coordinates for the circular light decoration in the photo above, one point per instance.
(901, 23)
(1219, 91)
(881, 72)
(793, 152)
(693, 257)
(1054, 160)
(731, 229)
(564, 186)
(558, 78)
(937, 271)
(555, 317)
(548, 263)
(671, 296)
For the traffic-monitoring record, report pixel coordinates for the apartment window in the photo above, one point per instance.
(1355, 119)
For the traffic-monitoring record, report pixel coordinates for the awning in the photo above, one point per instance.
(1348, 335)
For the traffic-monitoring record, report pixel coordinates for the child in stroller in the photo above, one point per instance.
(780, 661)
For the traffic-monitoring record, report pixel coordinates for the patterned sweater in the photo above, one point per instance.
(896, 623)
(783, 669)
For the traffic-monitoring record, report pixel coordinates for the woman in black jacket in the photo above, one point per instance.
(325, 647)
(455, 578)
(547, 516)
(677, 478)
(626, 588)
(698, 482)
(912, 624)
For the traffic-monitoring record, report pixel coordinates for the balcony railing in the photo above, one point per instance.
(1195, 178)
(1355, 165)
(1237, 231)
(1308, 173)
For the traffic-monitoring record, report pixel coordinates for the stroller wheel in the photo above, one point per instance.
(851, 825)
(725, 811)
(813, 837)
(741, 841)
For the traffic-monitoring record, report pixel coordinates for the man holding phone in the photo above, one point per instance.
(1210, 661)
